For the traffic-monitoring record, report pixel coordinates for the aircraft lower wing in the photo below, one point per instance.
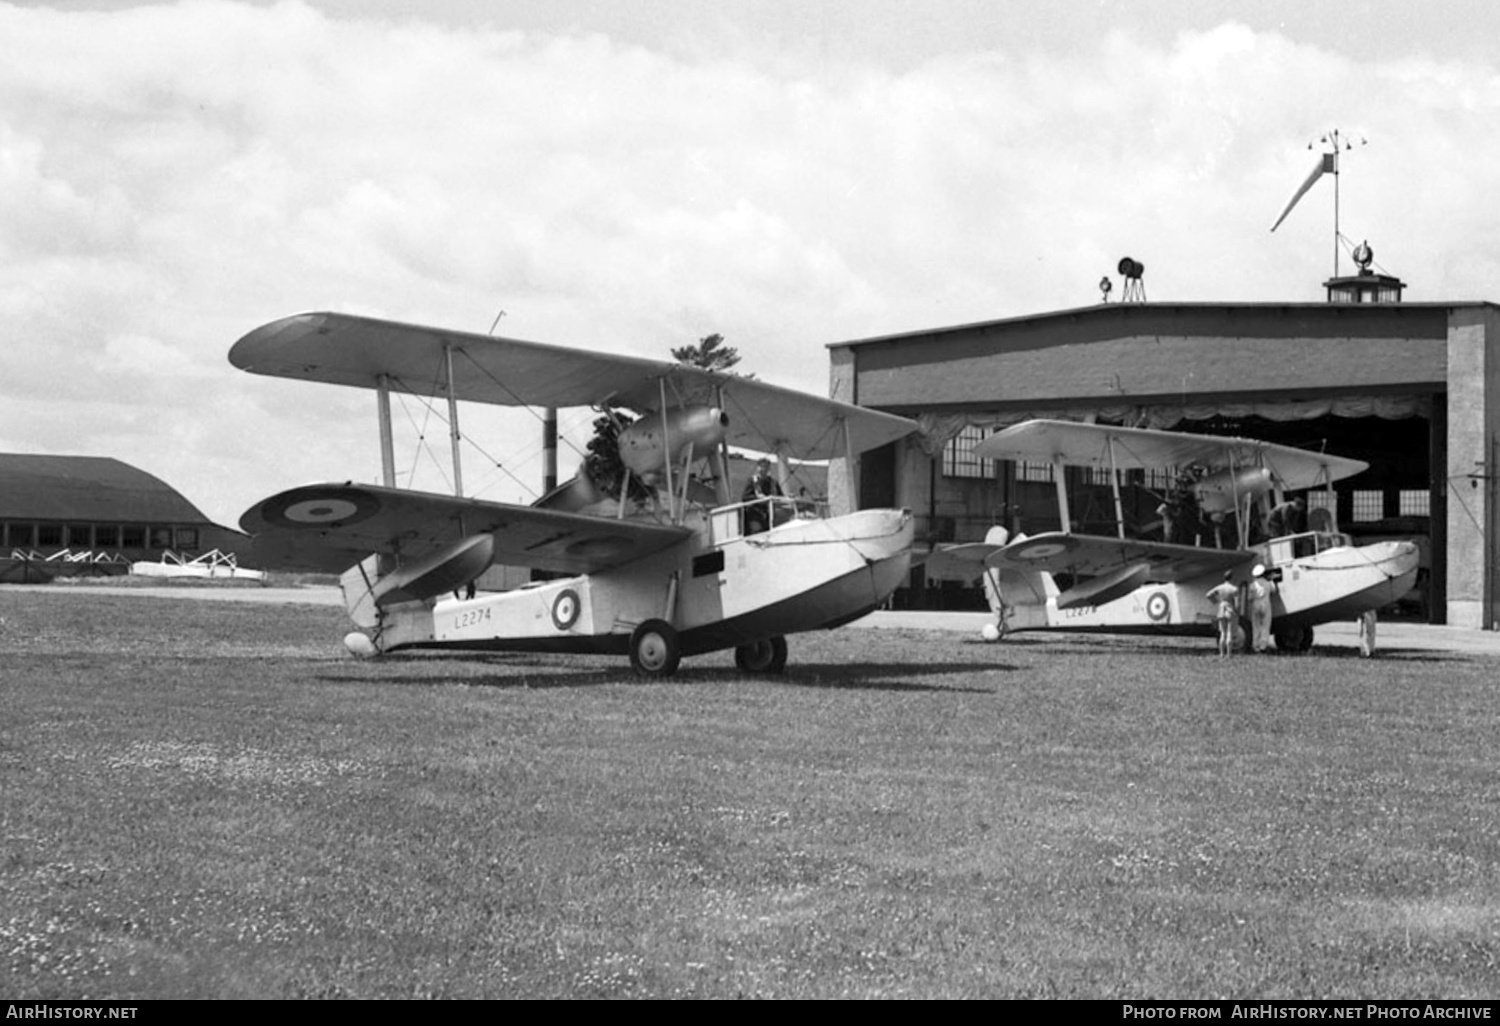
(331, 527)
(1084, 555)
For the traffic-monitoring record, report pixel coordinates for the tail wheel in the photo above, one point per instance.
(654, 651)
(765, 656)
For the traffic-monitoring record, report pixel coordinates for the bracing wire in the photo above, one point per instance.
(510, 392)
(422, 446)
(434, 411)
(827, 432)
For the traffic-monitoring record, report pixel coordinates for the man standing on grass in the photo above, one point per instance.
(1261, 589)
(1225, 596)
(1367, 633)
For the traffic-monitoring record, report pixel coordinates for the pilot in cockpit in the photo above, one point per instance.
(762, 485)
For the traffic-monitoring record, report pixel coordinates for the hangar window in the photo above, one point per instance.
(1416, 502)
(49, 534)
(80, 536)
(959, 459)
(1159, 479)
(1367, 505)
(161, 537)
(1325, 500)
(132, 536)
(19, 535)
(1029, 471)
(187, 537)
(107, 536)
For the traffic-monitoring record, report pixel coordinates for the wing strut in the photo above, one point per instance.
(387, 437)
(1114, 484)
(849, 464)
(687, 462)
(1241, 520)
(1060, 478)
(721, 469)
(458, 473)
(666, 441)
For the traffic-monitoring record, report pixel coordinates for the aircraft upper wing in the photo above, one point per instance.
(346, 350)
(331, 527)
(1093, 556)
(1090, 445)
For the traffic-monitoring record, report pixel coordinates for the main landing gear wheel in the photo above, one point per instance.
(654, 651)
(1293, 638)
(765, 656)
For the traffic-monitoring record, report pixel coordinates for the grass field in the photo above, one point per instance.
(204, 799)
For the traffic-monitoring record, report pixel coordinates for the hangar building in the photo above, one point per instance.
(1411, 388)
(96, 514)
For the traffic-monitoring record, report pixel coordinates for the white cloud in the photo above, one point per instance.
(172, 176)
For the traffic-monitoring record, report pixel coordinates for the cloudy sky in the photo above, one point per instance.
(631, 176)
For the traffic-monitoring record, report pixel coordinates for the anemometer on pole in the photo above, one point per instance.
(1328, 163)
(1364, 285)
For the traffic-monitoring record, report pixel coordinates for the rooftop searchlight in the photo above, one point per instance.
(1131, 271)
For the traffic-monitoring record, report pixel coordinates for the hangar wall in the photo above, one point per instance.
(1156, 353)
(1473, 464)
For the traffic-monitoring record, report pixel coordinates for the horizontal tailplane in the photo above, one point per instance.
(1105, 588)
(367, 590)
(445, 570)
(1019, 598)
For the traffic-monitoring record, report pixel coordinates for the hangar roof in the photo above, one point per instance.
(1150, 352)
(92, 488)
(1114, 317)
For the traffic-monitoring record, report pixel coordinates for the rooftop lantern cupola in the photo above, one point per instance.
(1367, 286)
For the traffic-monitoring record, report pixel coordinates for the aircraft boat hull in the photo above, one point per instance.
(801, 575)
(1336, 584)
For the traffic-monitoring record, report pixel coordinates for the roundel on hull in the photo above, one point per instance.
(565, 609)
(1042, 550)
(1158, 606)
(311, 508)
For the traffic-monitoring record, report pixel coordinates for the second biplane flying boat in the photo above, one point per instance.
(1134, 584)
(674, 574)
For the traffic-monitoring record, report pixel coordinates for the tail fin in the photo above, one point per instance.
(1018, 598)
(358, 585)
(383, 624)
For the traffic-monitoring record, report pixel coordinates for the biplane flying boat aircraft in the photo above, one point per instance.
(667, 567)
(1238, 518)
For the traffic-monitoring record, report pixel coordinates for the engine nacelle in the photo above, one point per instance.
(644, 444)
(1218, 492)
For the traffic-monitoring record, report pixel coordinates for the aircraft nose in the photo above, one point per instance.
(1404, 551)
